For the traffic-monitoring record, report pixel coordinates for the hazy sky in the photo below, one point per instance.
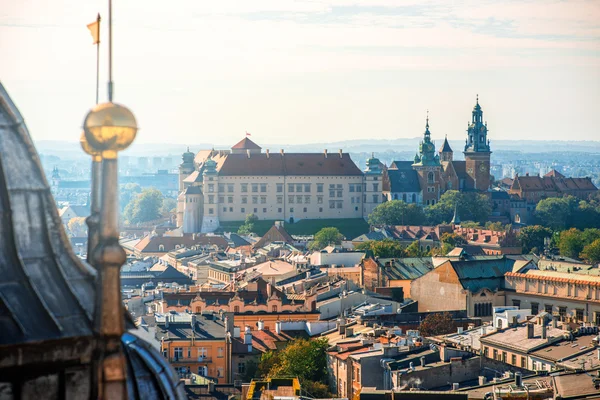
(286, 71)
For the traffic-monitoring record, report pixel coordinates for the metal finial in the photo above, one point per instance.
(477, 98)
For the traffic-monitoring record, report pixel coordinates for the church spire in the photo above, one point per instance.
(456, 218)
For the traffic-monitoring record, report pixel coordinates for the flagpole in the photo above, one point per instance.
(98, 60)
(110, 81)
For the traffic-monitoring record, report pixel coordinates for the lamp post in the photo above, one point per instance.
(108, 129)
(93, 221)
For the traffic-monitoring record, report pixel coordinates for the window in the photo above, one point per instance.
(299, 187)
(291, 209)
(548, 308)
(280, 188)
(503, 356)
(579, 314)
(220, 372)
(220, 351)
(358, 187)
(414, 198)
(562, 311)
(486, 351)
(375, 198)
(351, 200)
(307, 188)
(375, 187)
(255, 188)
(291, 187)
(306, 199)
(241, 368)
(211, 211)
(224, 209)
(338, 204)
(430, 177)
(320, 209)
(299, 199)
(513, 359)
(516, 303)
(404, 197)
(274, 309)
(331, 203)
(230, 199)
(178, 353)
(254, 199)
(264, 210)
(351, 188)
(291, 199)
(230, 188)
(211, 199)
(523, 362)
(221, 187)
(319, 199)
(221, 199)
(535, 307)
(279, 199)
(340, 193)
(495, 354)
(242, 210)
(161, 247)
(244, 199)
(280, 210)
(230, 209)
(305, 209)
(244, 188)
(263, 187)
(319, 188)
(211, 187)
(255, 210)
(263, 199)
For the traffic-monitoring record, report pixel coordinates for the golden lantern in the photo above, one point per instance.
(109, 128)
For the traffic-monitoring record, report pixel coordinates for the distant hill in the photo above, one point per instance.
(69, 150)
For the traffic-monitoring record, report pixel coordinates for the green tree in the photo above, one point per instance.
(436, 324)
(591, 252)
(571, 243)
(127, 192)
(386, 248)
(532, 237)
(326, 237)
(169, 206)
(469, 206)
(453, 239)
(144, 207)
(397, 212)
(77, 226)
(414, 250)
(556, 213)
(495, 226)
(248, 226)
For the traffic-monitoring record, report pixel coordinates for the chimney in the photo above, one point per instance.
(529, 328)
(267, 153)
(278, 327)
(459, 330)
(211, 386)
(518, 379)
(325, 152)
(544, 331)
(247, 335)
(455, 386)
(554, 322)
(422, 362)
(340, 153)
(167, 321)
(248, 152)
(261, 325)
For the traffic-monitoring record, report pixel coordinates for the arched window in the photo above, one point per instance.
(404, 197)
(161, 247)
(395, 196)
(414, 198)
(430, 177)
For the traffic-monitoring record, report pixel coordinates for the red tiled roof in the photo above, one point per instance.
(151, 244)
(554, 173)
(246, 144)
(287, 164)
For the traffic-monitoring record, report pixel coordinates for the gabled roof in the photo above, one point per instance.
(277, 233)
(246, 144)
(475, 275)
(554, 173)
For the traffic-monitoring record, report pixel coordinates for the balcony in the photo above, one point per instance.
(193, 360)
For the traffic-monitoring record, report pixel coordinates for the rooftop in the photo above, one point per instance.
(516, 338)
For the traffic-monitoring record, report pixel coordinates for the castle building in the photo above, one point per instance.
(226, 185)
(430, 175)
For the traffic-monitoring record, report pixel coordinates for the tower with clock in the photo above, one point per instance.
(428, 167)
(477, 151)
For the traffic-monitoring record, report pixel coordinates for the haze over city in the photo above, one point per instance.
(310, 71)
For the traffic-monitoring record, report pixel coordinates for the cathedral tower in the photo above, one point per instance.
(373, 188)
(446, 153)
(186, 167)
(477, 151)
(428, 167)
(210, 185)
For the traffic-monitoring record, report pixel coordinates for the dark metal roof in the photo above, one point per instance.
(403, 178)
(46, 292)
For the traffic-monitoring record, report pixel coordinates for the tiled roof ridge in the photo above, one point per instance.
(551, 278)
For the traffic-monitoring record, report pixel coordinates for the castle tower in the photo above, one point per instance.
(210, 179)
(428, 167)
(445, 152)
(477, 151)
(186, 167)
(373, 188)
(192, 209)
